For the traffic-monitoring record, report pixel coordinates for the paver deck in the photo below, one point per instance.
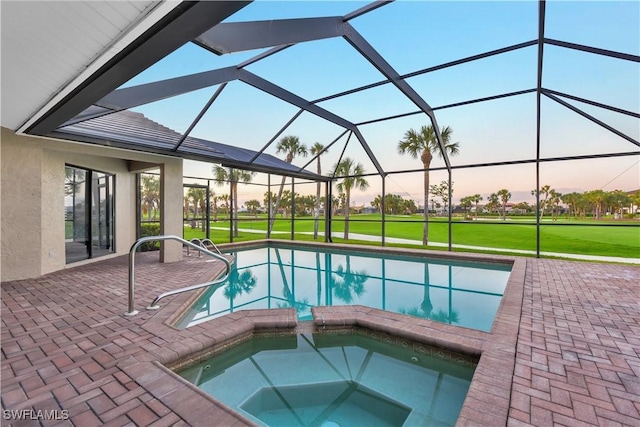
(578, 360)
(564, 350)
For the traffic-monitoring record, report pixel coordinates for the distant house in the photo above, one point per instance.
(457, 209)
(363, 209)
(632, 208)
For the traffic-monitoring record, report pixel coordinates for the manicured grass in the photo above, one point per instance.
(561, 236)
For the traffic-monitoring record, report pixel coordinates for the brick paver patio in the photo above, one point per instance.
(565, 348)
(578, 360)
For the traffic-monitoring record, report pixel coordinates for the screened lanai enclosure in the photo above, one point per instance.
(494, 126)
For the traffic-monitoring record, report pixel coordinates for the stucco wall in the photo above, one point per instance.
(21, 205)
(0, 207)
(53, 248)
(32, 202)
(171, 189)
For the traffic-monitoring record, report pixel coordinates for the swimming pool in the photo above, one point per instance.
(459, 292)
(322, 379)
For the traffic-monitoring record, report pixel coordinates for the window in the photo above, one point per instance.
(89, 213)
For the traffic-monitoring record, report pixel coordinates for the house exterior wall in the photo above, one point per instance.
(32, 200)
(21, 234)
(171, 190)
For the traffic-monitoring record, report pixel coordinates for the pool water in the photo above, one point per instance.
(450, 291)
(335, 380)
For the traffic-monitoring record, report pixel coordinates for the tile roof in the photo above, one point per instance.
(134, 130)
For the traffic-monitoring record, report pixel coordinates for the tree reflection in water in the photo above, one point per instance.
(426, 306)
(344, 283)
(347, 282)
(239, 283)
(289, 296)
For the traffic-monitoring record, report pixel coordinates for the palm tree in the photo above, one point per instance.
(465, 203)
(335, 205)
(545, 190)
(292, 146)
(423, 144)
(305, 204)
(351, 172)
(150, 193)
(554, 201)
(198, 196)
(377, 203)
(504, 196)
(583, 205)
(339, 203)
(571, 200)
(476, 199)
(268, 199)
(493, 202)
(597, 198)
(224, 203)
(214, 206)
(222, 175)
(317, 149)
(618, 200)
(186, 208)
(285, 200)
(253, 206)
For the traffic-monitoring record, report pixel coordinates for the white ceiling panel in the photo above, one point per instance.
(47, 44)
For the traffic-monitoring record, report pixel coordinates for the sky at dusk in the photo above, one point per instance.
(413, 35)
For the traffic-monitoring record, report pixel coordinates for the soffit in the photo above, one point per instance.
(47, 44)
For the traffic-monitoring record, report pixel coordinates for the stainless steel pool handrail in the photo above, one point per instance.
(132, 311)
(203, 243)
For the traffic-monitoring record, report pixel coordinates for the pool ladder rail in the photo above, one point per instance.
(200, 246)
(204, 243)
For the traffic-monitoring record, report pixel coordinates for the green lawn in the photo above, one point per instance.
(562, 236)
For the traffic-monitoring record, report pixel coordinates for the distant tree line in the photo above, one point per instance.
(395, 204)
(594, 203)
(598, 202)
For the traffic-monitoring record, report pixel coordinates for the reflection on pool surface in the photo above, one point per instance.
(450, 291)
(348, 380)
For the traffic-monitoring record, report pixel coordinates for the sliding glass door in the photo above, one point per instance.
(89, 213)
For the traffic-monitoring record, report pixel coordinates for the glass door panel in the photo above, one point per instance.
(75, 215)
(101, 214)
(89, 214)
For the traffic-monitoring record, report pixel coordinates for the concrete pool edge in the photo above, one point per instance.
(453, 338)
(421, 253)
(489, 397)
(487, 401)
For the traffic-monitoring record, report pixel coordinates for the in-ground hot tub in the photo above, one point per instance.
(337, 379)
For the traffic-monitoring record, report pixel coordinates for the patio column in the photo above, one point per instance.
(171, 196)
